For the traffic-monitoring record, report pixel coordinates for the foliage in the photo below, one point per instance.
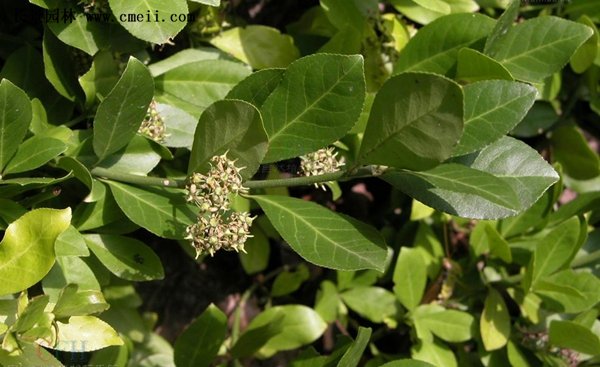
(449, 136)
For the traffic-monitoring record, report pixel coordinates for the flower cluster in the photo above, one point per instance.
(218, 227)
(320, 162)
(153, 125)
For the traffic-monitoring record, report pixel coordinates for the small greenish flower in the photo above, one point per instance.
(153, 125)
(217, 226)
(320, 162)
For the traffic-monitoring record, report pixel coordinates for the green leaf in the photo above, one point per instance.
(458, 190)
(407, 363)
(538, 47)
(584, 284)
(498, 247)
(33, 153)
(450, 325)
(503, 25)
(183, 57)
(58, 68)
(80, 171)
(138, 157)
(539, 119)
(473, 66)
(200, 83)
(73, 302)
(585, 55)
(518, 165)
(555, 250)
(435, 47)
(318, 100)
(85, 334)
(571, 150)
(327, 301)
(415, 121)
(323, 237)
(353, 354)
(32, 355)
(299, 325)
(125, 257)
(28, 243)
(253, 340)
(435, 353)
(410, 276)
(32, 314)
(289, 281)
(232, 126)
(384, 310)
(570, 335)
(120, 114)
(9, 212)
(199, 344)
(71, 243)
(257, 87)
(69, 270)
(208, 2)
(492, 109)
(101, 78)
(179, 126)
(15, 117)
(495, 322)
(153, 21)
(161, 211)
(258, 46)
(256, 258)
(89, 37)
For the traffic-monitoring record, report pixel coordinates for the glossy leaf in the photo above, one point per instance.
(258, 46)
(198, 345)
(434, 48)
(410, 276)
(179, 126)
(383, 310)
(258, 251)
(15, 117)
(450, 325)
(568, 334)
(183, 57)
(32, 355)
(69, 270)
(585, 55)
(229, 126)
(28, 243)
(58, 69)
(323, 237)
(200, 83)
(407, 363)
(299, 325)
(33, 153)
(584, 285)
(473, 66)
(73, 302)
(289, 281)
(495, 322)
(318, 100)
(492, 109)
(539, 47)
(436, 353)
(554, 251)
(257, 87)
(121, 113)
(86, 333)
(572, 151)
(518, 166)
(503, 25)
(161, 211)
(415, 121)
(353, 354)
(458, 190)
(71, 243)
(154, 20)
(101, 78)
(125, 257)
